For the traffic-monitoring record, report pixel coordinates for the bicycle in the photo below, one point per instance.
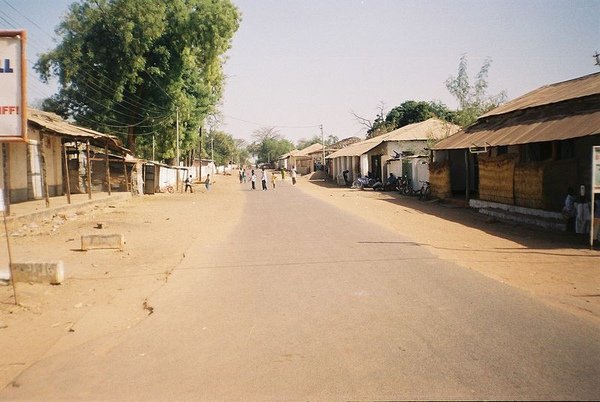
(424, 191)
(169, 188)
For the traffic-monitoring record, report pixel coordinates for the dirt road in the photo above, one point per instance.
(107, 291)
(558, 268)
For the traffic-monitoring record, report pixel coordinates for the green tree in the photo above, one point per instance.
(242, 154)
(303, 143)
(316, 139)
(135, 67)
(269, 145)
(473, 100)
(409, 112)
(221, 146)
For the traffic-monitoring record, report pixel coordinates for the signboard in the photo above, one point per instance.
(595, 189)
(596, 169)
(13, 100)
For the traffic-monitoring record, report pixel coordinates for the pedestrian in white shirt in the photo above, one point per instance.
(264, 179)
(294, 175)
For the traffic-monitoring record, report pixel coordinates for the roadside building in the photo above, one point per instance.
(60, 158)
(371, 156)
(288, 160)
(525, 153)
(303, 160)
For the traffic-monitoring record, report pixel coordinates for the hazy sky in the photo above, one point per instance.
(299, 63)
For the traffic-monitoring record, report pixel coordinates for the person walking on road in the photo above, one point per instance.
(253, 179)
(207, 182)
(273, 178)
(294, 175)
(264, 179)
(188, 184)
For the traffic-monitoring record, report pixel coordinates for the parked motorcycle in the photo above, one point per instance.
(391, 183)
(365, 182)
(405, 186)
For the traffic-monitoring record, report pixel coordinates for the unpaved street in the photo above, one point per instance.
(279, 295)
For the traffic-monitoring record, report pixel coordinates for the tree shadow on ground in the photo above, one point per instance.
(531, 237)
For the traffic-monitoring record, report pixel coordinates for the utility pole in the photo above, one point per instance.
(200, 153)
(153, 147)
(177, 153)
(323, 146)
(177, 129)
(212, 149)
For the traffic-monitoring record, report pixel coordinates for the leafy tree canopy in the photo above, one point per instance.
(472, 98)
(128, 66)
(221, 147)
(316, 139)
(408, 112)
(269, 145)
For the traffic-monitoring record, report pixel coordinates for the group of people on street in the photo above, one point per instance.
(264, 179)
(243, 178)
(188, 183)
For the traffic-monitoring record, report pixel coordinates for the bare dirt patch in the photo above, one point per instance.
(106, 291)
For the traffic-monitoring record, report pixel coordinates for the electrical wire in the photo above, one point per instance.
(270, 125)
(92, 80)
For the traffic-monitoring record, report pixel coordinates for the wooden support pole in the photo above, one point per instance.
(88, 169)
(44, 173)
(467, 177)
(10, 264)
(107, 167)
(66, 175)
(125, 174)
(6, 167)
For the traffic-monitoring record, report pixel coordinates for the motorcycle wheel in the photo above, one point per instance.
(425, 194)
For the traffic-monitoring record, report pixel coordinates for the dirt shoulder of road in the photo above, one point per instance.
(558, 268)
(105, 291)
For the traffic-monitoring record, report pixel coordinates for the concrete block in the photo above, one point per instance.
(39, 272)
(91, 242)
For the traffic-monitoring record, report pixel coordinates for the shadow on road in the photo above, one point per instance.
(531, 237)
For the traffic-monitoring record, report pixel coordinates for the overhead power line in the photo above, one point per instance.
(270, 125)
(95, 81)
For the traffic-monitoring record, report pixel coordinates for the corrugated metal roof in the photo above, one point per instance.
(344, 143)
(56, 124)
(561, 111)
(422, 131)
(522, 130)
(357, 149)
(554, 93)
(309, 149)
(291, 153)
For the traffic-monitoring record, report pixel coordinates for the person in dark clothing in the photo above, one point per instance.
(188, 184)
(264, 179)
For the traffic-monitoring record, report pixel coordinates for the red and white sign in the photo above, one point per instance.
(13, 99)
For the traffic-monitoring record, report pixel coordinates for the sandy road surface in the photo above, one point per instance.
(105, 290)
(556, 267)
